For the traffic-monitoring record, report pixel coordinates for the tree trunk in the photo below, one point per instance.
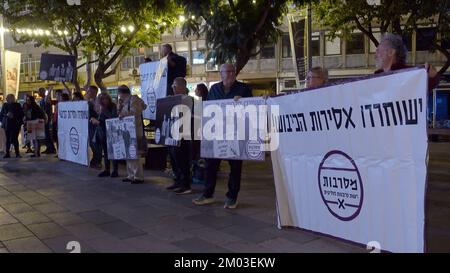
(242, 59)
(98, 77)
(88, 70)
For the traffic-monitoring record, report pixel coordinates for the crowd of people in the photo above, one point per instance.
(390, 55)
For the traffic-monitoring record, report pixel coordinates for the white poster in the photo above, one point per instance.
(121, 138)
(351, 161)
(234, 129)
(12, 72)
(73, 132)
(153, 85)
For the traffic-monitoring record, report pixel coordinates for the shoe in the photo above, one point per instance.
(47, 152)
(18, 156)
(7, 156)
(172, 187)
(114, 174)
(202, 200)
(127, 180)
(104, 174)
(137, 181)
(29, 151)
(181, 191)
(230, 204)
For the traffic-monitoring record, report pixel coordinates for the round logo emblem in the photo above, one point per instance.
(157, 136)
(74, 140)
(341, 185)
(253, 149)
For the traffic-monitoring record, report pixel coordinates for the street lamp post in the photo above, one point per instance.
(3, 55)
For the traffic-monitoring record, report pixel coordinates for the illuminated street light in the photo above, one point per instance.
(147, 26)
(182, 18)
(29, 31)
(47, 33)
(193, 17)
(131, 28)
(66, 32)
(59, 32)
(123, 29)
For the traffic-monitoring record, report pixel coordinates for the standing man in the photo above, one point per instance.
(228, 88)
(46, 106)
(132, 105)
(391, 55)
(317, 76)
(176, 66)
(91, 97)
(182, 154)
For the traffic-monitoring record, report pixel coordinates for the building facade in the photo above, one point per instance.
(271, 71)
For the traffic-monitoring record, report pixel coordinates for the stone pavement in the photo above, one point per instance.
(46, 203)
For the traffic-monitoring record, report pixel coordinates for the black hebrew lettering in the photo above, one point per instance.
(325, 181)
(410, 119)
(348, 115)
(399, 111)
(288, 117)
(304, 121)
(299, 127)
(369, 106)
(324, 113)
(346, 182)
(394, 118)
(353, 184)
(335, 182)
(338, 123)
(377, 106)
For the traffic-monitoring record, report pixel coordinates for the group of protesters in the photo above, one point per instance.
(390, 55)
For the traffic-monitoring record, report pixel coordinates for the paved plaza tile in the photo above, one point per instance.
(63, 202)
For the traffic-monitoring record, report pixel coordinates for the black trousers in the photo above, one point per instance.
(182, 161)
(48, 138)
(234, 179)
(12, 137)
(96, 148)
(106, 159)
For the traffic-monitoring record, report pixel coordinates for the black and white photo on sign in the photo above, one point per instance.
(165, 119)
(121, 138)
(58, 68)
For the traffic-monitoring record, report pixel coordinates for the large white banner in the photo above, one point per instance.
(153, 85)
(351, 161)
(73, 131)
(12, 72)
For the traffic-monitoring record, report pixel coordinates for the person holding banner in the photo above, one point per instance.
(181, 154)
(176, 66)
(391, 55)
(228, 88)
(317, 76)
(132, 105)
(34, 112)
(91, 97)
(108, 110)
(46, 106)
(11, 117)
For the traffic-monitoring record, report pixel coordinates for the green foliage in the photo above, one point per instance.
(399, 16)
(234, 28)
(94, 26)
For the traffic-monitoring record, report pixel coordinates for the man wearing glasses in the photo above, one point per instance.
(228, 88)
(317, 76)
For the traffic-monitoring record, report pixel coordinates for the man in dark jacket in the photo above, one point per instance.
(228, 88)
(11, 117)
(46, 106)
(176, 66)
(91, 97)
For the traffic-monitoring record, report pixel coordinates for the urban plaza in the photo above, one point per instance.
(226, 134)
